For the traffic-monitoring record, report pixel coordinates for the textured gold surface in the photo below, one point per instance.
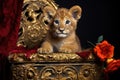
(49, 57)
(33, 28)
(56, 71)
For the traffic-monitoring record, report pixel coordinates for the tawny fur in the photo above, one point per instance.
(62, 34)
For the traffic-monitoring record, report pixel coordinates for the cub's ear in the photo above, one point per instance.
(49, 11)
(76, 11)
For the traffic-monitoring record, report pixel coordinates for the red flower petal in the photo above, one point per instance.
(104, 50)
(84, 54)
(112, 66)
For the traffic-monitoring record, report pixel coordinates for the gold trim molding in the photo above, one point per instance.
(49, 57)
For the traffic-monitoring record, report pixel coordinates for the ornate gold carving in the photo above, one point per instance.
(54, 57)
(59, 73)
(17, 57)
(24, 72)
(49, 57)
(62, 71)
(88, 73)
(33, 28)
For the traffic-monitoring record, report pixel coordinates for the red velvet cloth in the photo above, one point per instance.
(10, 13)
(24, 50)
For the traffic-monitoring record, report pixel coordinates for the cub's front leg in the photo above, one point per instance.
(45, 48)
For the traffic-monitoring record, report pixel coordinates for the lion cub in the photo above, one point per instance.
(62, 33)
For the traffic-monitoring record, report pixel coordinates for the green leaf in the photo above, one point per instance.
(100, 38)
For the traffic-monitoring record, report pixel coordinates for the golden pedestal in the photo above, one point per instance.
(54, 66)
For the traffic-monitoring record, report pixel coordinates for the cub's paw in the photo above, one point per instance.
(44, 50)
(65, 50)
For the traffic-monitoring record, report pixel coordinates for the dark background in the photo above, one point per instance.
(99, 17)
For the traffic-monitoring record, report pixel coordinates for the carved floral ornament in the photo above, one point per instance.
(55, 72)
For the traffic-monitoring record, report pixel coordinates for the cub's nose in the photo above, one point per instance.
(61, 29)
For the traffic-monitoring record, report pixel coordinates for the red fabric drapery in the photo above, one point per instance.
(10, 13)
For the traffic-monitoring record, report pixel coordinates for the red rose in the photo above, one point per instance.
(104, 50)
(112, 66)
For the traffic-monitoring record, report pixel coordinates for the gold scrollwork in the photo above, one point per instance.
(58, 73)
(53, 71)
(48, 57)
(33, 28)
(24, 72)
(54, 57)
(89, 72)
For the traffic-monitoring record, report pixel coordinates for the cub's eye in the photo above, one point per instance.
(67, 22)
(56, 22)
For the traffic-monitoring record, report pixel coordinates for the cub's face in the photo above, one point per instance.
(64, 21)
